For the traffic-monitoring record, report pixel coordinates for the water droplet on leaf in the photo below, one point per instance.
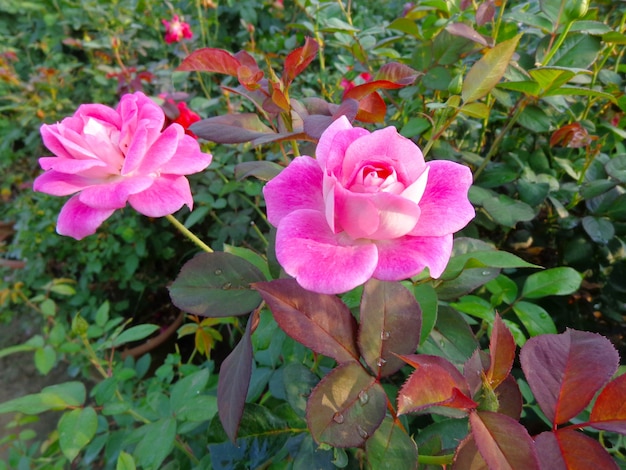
(362, 432)
(384, 335)
(381, 362)
(363, 397)
(218, 272)
(227, 286)
(338, 418)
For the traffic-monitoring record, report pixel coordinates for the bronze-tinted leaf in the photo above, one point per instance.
(231, 128)
(299, 59)
(502, 353)
(609, 410)
(346, 407)
(318, 321)
(565, 371)
(567, 449)
(390, 322)
(210, 59)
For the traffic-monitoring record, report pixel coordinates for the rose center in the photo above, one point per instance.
(373, 178)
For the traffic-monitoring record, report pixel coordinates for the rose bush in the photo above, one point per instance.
(367, 206)
(114, 156)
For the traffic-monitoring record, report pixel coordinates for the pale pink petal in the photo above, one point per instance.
(299, 186)
(445, 206)
(100, 112)
(388, 147)
(69, 165)
(416, 190)
(334, 142)
(135, 150)
(66, 143)
(377, 216)
(166, 195)
(114, 194)
(78, 220)
(408, 256)
(162, 150)
(188, 158)
(319, 259)
(60, 184)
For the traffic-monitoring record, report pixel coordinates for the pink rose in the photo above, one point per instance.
(176, 30)
(367, 206)
(113, 156)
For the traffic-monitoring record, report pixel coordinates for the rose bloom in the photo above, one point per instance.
(176, 30)
(367, 206)
(109, 157)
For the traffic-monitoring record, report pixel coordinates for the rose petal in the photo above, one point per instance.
(408, 256)
(114, 195)
(188, 158)
(333, 143)
(60, 184)
(70, 165)
(389, 148)
(320, 260)
(299, 186)
(78, 220)
(166, 195)
(445, 206)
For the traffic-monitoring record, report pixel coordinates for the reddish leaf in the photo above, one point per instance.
(474, 370)
(565, 371)
(346, 407)
(509, 398)
(231, 128)
(234, 379)
(315, 124)
(249, 78)
(397, 73)
(435, 382)
(279, 98)
(209, 59)
(318, 321)
(609, 410)
(361, 91)
(466, 31)
(299, 59)
(390, 322)
(467, 456)
(503, 442)
(246, 59)
(485, 12)
(372, 109)
(567, 449)
(502, 353)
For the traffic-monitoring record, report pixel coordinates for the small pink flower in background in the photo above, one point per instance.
(176, 30)
(367, 206)
(107, 157)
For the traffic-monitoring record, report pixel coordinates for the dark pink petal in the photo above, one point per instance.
(377, 216)
(188, 158)
(66, 144)
(135, 150)
(114, 195)
(333, 143)
(388, 147)
(299, 186)
(407, 256)
(162, 150)
(70, 165)
(60, 184)
(320, 260)
(166, 195)
(78, 220)
(100, 112)
(445, 206)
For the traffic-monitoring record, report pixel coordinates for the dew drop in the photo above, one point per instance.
(363, 397)
(338, 418)
(362, 432)
(227, 286)
(381, 362)
(384, 335)
(442, 344)
(218, 272)
(486, 273)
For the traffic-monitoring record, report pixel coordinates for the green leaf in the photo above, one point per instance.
(391, 448)
(216, 285)
(156, 443)
(534, 318)
(477, 259)
(600, 230)
(535, 119)
(555, 281)
(451, 338)
(487, 72)
(125, 461)
(187, 388)
(251, 256)
(508, 211)
(390, 324)
(76, 429)
(45, 359)
(581, 91)
(616, 167)
(346, 407)
(54, 397)
(426, 295)
(578, 51)
(134, 333)
(298, 381)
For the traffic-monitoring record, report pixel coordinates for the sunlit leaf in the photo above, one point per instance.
(209, 59)
(565, 371)
(556, 281)
(216, 285)
(567, 449)
(53, 397)
(319, 321)
(346, 407)
(134, 333)
(609, 410)
(299, 59)
(390, 322)
(451, 338)
(372, 108)
(76, 429)
(534, 318)
(435, 382)
(502, 441)
(487, 72)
